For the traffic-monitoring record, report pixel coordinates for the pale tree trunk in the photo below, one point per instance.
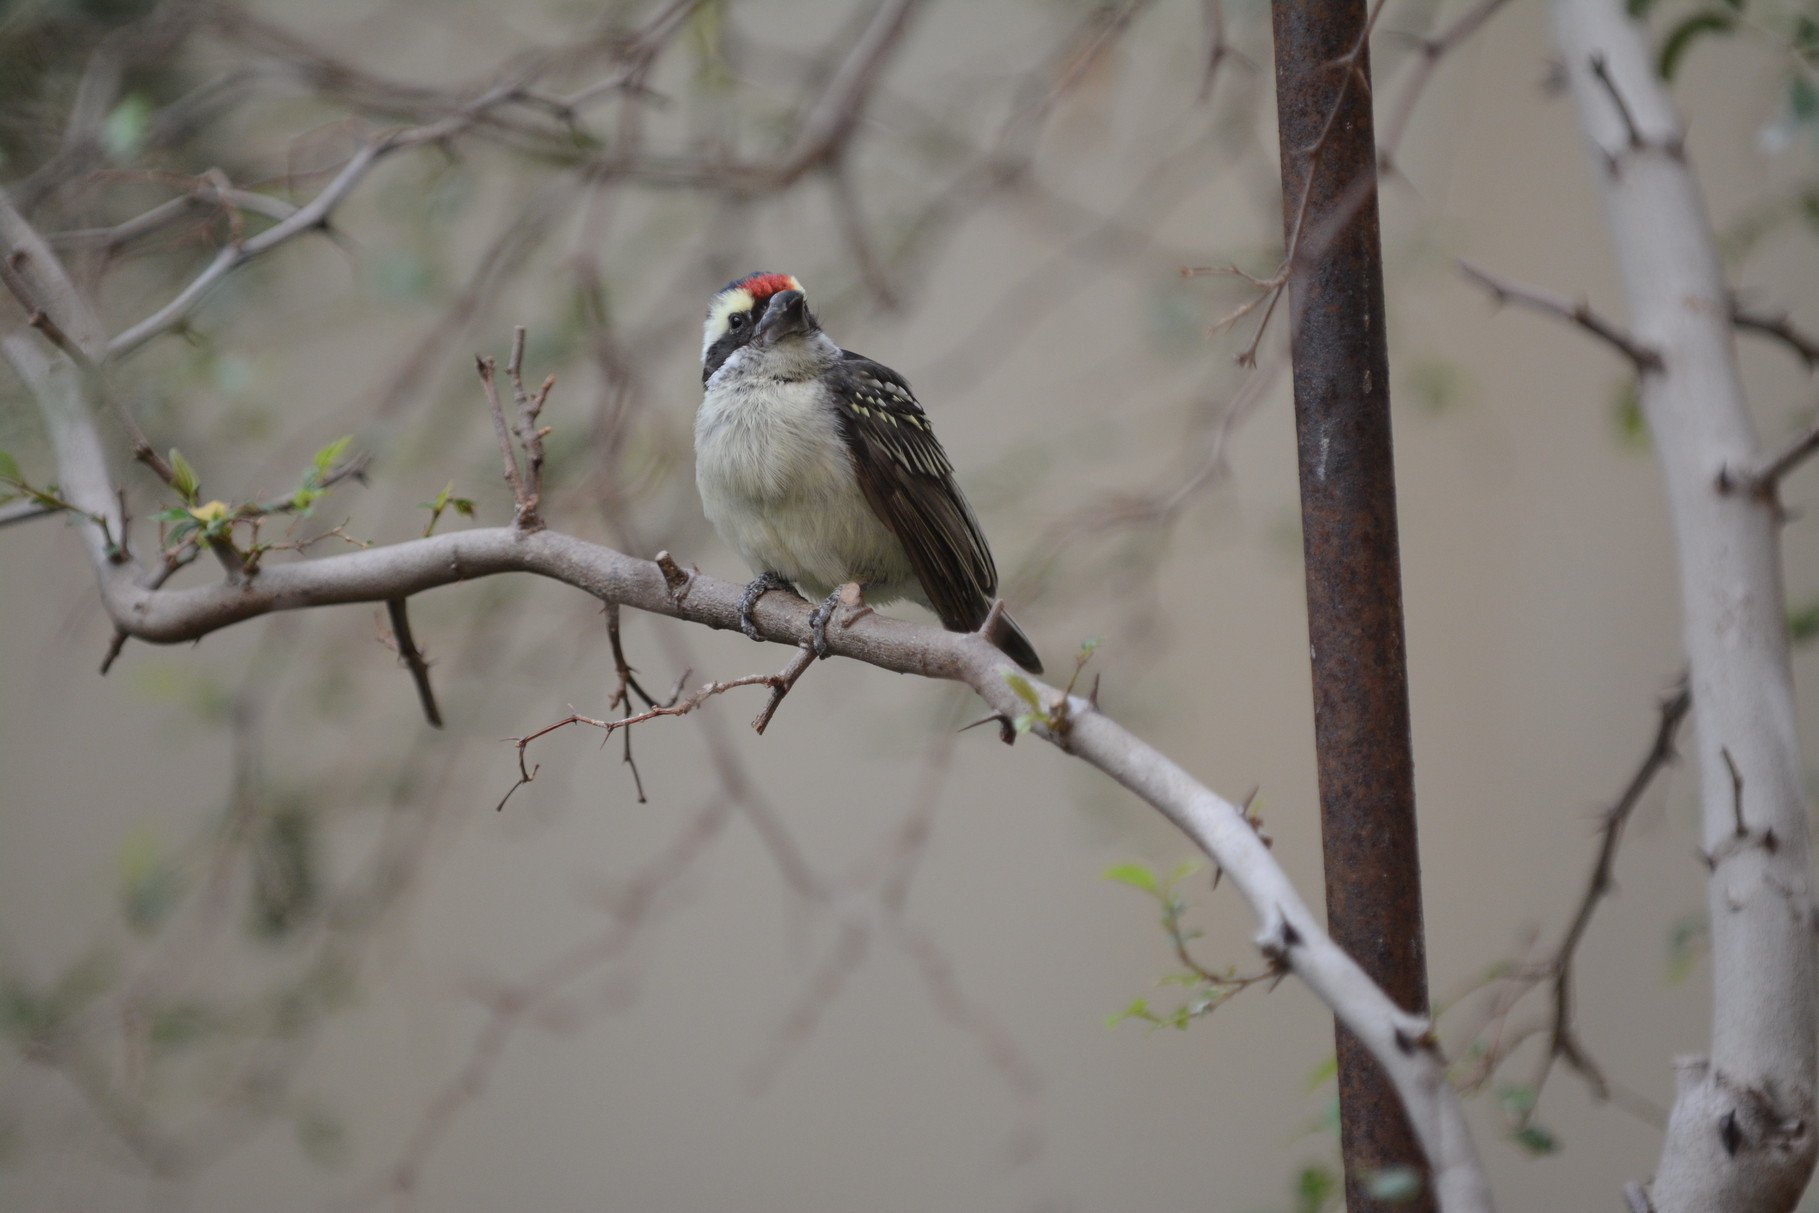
(1740, 1136)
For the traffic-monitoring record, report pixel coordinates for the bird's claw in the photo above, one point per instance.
(852, 596)
(760, 585)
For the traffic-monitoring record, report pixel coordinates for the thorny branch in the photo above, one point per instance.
(413, 659)
(1430, 51)
(1290, 933)
(779, 683)
(277, 588)
(1305, 246)
(1777, 328)
(1762, 481)
(1503, 290)
(627, 687)
(524, 496)
(1557, 972)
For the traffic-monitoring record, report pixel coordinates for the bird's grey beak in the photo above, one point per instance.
(786, 316)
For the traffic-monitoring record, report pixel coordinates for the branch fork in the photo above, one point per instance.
(526, 483)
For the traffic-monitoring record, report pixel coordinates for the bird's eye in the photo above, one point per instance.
(736, 320)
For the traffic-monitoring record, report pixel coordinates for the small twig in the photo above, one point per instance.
(678, 707)
(1602, 71)
(530, 438)
(413, 659)
(41, 321)
(25, 511)
(805, 657)
(1432, 50)
(1352, 66)
(1503, 290)
(1779, 328)
(1218, 46)
(1730, 764)
(1763, 481)
(627, 687)
(485, 368)
(1557, 970)
(142, 448)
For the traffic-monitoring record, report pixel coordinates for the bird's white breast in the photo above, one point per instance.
(778, 485)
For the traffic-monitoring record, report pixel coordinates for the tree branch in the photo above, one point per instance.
(1777, 328)
(1289, 934)
(1431, 51)
(413, 658)
(1764, 480)
(1503, 290)
(1741, 1134)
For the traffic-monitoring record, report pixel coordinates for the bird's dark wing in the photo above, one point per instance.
(909, 482)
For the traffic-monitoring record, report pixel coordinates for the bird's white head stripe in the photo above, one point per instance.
(733, 299)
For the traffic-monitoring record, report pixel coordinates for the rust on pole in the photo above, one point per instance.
(1354, 579)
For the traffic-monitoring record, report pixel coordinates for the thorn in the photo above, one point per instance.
(1006, 733)
(675, 577)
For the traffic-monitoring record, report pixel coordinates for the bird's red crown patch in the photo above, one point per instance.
(763, 286)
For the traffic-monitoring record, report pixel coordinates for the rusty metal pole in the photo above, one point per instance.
(1354, 578)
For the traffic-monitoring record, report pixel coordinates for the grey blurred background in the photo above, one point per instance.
(264, 941)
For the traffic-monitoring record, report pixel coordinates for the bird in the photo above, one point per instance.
(822, 471)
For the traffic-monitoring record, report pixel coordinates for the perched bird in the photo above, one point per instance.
(819, 468)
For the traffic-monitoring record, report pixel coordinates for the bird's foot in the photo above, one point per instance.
(851, 596)
(761, 585)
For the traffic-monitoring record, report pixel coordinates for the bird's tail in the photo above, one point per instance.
(1015, 644)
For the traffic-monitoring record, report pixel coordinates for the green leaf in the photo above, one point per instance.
(1315, 1186)
(1328, 1068)
(1023, 689)
(123, 130)
(1686, 943)
(1674, 49)
(325, 458)
(1393, 1185)
(1803, 622)
(464, 506)
(9, 471)
(1137, 1010)
(1133, 874)
(1626, 410)
(183, 477)
(1535, 1139)
(441, 501)
(1517, 1099)
(1638, 8)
